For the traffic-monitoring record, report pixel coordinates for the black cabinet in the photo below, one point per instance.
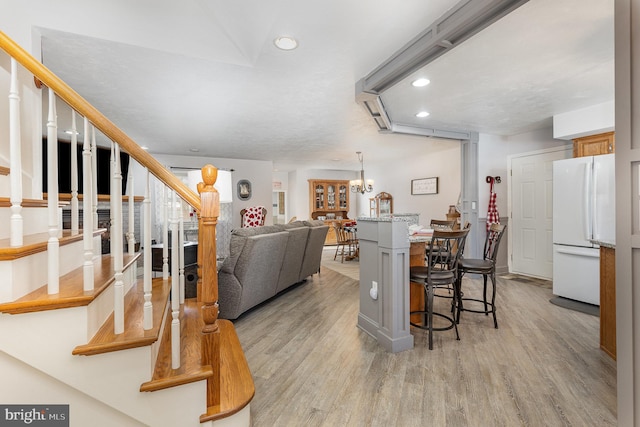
(190, 256)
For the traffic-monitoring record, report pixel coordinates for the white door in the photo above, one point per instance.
(531, 235)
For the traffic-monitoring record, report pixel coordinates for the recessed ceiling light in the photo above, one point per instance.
(422, 114)
(194, 149)
(421, 82)
(144, 147)
(71, 132)
(286, 43)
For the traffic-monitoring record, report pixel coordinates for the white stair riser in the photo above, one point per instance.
(31, 386)
(26, 274)
(102, 306)
(34, 221)
(43, 341)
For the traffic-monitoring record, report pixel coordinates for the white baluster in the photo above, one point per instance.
(15, 158)
(165, 235)
(74, 175)
(94, 177)
(87, 215)
(181, 251)
(53, 244)
(148, 307)
(131, 237)
(112, 198)
(175, 287)
(116, 244)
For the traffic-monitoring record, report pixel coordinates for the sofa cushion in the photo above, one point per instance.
(238, 240)
(313, 250)
(294, 253)
(258, 267)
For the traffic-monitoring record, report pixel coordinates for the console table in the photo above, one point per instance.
(190, 265)
(190, 255)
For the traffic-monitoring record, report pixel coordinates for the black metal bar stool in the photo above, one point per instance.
(439, 274)
(485, 266)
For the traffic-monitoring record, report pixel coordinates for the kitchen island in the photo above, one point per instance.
(384, 277)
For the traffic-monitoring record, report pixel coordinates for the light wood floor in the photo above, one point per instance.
(313, 367)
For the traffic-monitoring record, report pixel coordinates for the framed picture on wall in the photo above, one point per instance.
(424, 186)
(244, 189)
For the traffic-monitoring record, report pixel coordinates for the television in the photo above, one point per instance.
(64, 168)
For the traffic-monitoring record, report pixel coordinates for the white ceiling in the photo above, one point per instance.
(205, 75)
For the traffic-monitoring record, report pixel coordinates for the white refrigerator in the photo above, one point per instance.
(583, 217)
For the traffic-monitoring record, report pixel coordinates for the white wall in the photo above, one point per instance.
(592, 120)
(431, 157)
(434, 158)
(493, 152)
(30, 130)
(258, 172)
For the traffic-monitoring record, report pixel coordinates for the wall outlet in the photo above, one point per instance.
(373, 292)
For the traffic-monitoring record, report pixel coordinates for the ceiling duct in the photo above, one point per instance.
(461, 22)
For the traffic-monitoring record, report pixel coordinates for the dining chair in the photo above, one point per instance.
(442, 224)
(439, 274)
(345, 241)
(485, 266)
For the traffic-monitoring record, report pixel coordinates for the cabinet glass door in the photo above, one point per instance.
(319, 197)
(385, 207)
(343, 197)
(373, 209)
(331, 196)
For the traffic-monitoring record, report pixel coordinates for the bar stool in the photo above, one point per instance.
(440, 274)
(485, 266)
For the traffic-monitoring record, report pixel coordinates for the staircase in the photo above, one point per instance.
(109, 342)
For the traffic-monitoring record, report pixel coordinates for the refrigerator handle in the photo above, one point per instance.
(587, 201)
(594, 203)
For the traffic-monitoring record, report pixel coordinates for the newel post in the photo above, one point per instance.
(209, 211)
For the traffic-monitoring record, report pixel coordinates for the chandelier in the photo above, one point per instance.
(360, 185)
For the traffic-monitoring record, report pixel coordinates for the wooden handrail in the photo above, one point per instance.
(206, 204)
(110, 130)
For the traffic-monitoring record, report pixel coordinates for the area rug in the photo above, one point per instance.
(348, 268)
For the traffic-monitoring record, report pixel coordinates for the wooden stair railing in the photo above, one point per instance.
(206, 206)
(102, 123)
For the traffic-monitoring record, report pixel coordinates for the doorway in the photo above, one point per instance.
(279, 204)
(530, 241)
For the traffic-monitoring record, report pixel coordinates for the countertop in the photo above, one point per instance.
(603, 243)
(411, 218)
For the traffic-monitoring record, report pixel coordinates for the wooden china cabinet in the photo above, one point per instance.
(329, 201)
(381, 205)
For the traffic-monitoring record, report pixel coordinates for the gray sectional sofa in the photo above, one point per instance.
(264, 261)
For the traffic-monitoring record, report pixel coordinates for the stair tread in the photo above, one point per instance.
(191, 368)
(236, 382)
(105, 340)
(5, 202)
(71, 292)
(237, 387)
(34, 243)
